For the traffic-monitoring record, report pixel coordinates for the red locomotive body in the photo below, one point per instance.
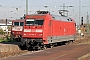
(42, 30)
(16, 31)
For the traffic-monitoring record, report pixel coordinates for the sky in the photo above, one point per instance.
(8, 8)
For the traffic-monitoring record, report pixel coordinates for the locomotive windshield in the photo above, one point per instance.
(21, 23)
(39, 22)
(18, 23)
(30, 22)
(34, 22)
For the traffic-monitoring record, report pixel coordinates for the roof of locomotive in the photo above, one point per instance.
(61, 18)
(19, 20)
(36, 16)
(55, 17)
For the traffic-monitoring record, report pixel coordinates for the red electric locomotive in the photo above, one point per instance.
(16, 31)
(46, 30)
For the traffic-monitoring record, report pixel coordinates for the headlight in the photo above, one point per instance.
(24, 34)
(38, 30)
(40, 34)
(27, 30)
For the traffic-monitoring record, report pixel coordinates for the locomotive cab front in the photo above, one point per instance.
(33, 32)
(33, 28)
(16, 31)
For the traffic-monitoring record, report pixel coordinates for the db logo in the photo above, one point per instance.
(18, 28)
(33, 30)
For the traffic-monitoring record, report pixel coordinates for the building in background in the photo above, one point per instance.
(5, 26)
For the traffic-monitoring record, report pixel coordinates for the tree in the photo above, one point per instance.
(1, 31)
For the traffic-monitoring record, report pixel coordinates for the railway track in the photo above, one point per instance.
(64, 50)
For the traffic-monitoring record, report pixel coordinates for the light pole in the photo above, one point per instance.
(87, 22)
(26, 7)
(79, 11)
